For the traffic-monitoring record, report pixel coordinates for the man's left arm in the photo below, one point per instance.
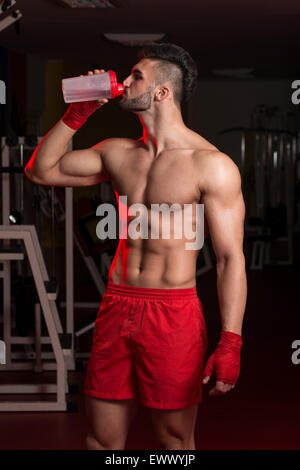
(224, 210)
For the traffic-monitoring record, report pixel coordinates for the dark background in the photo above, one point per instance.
(51, 42)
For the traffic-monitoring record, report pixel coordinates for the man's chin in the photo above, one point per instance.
(124, 108)
(129, 108)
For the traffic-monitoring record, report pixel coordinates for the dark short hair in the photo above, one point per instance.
(174, 64)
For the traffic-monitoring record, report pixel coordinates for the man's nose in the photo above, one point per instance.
(126, 82)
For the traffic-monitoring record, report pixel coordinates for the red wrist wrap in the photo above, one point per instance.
(226, 358)
(77, 113)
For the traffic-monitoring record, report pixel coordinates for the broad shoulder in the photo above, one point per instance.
(114, 154)
(216, 171)
(115, 143)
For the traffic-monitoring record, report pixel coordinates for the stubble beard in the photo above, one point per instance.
(137, 104)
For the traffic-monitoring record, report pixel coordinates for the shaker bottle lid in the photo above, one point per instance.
(116, 88)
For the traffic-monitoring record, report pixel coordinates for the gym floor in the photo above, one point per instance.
(262, 412)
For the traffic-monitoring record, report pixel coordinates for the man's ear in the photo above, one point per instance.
(162, 93)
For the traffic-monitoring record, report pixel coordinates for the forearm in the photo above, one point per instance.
(232, 292)
(49, 151)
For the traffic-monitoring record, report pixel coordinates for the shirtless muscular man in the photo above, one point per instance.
(150, 336)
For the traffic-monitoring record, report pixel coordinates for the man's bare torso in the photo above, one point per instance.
(171, 177)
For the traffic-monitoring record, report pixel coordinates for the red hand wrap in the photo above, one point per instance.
(77, 113)
(226, 358)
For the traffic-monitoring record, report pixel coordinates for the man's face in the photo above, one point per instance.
(139, 87)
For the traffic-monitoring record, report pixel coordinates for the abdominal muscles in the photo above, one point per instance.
(154, 263)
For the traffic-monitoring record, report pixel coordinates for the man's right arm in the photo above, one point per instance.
(52, 165)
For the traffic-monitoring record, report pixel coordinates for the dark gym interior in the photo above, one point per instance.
(247, 105)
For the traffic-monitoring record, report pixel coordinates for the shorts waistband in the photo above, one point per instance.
(149, 292)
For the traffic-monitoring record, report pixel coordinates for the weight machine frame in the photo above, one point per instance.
(62, 344)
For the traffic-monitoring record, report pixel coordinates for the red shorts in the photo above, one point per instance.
(148, 344)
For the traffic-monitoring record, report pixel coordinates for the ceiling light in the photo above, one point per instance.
(234, 73)
(134, 39)
(92, 3)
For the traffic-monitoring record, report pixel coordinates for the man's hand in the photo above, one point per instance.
(220, 388)
(225, 361)
(78, 113)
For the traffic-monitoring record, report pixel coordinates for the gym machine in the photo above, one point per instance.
(267, 163)
(93, 251)
(20, 243)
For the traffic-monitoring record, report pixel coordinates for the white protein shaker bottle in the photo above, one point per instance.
(91, 87)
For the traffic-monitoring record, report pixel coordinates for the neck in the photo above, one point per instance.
(162, 129)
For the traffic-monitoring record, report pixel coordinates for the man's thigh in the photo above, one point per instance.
(170, 425)
(110, 420)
